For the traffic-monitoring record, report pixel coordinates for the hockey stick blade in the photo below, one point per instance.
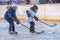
(53, 25)
(39, 32)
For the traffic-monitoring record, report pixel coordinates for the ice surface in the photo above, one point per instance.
(24, 33)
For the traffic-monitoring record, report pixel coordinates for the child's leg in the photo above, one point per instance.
(32, 24)
(11, 28)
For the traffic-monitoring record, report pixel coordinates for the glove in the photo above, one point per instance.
(14, 20)
(35, 18)
(17, 21)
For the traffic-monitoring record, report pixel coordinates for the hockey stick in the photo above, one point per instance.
(29, 28)
(48, 24)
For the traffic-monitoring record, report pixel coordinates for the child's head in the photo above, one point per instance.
(34, 8)
(14, 6)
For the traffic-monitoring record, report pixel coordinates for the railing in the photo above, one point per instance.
(28, 2)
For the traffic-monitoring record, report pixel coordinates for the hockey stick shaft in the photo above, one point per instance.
(24, 25)
(48, 24)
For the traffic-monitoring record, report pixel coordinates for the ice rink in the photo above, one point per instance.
(51, 33)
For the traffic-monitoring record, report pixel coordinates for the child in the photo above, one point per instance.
(10, 17)
(32, 14)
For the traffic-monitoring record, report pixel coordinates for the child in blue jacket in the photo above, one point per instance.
(10, 17)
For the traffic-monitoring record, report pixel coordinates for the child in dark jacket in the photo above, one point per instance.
(10, 17)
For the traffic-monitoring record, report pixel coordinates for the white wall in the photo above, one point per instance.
(4, 0)
(47, 10)
(34, 1)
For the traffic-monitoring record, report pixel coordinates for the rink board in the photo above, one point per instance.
(48, 12)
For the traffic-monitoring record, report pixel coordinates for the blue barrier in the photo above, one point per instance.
(9, 2)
